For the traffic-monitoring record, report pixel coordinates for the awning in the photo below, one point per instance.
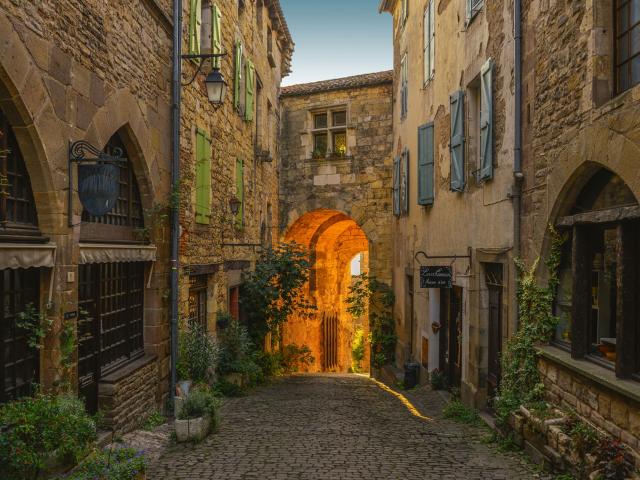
(23, 255)
(109, 253)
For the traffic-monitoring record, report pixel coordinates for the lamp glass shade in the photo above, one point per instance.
(234, 205)
(216, 87)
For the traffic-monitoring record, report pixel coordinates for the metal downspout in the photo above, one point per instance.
(517, 147)
(175, 181)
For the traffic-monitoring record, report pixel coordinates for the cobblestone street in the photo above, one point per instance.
(336, 427)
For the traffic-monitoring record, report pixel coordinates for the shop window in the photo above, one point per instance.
(18, 362)
(598, 297)
(17, 207)
(627, 44)
(125, 222)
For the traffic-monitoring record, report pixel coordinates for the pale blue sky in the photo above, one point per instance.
(337, 38)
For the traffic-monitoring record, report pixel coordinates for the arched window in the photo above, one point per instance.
(17, 208)
(598, 298)
(126, 221)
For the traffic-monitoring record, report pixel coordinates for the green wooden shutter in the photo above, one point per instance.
(249, 83)
(396, 186)
(216, 33)
(486, 121)
(195, 26)
(238, 75)
(457, 141)
(203, 178)
(426, 191)
(240, 191)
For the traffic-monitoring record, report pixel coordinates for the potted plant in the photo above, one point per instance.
(197, 415)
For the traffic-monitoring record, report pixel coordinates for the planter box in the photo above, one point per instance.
(194, 429)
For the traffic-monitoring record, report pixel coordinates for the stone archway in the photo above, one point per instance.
(333, 239)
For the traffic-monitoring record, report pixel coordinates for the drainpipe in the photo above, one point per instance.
(175, 179)
(517, 147)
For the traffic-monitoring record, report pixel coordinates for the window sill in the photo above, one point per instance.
(596, 373)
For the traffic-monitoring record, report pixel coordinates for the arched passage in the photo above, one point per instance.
(333, 240)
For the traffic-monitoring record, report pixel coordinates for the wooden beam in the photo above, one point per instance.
(600, 216)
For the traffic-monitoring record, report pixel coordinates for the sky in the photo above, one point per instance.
(337, 38)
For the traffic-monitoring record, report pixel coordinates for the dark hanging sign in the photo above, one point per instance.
(436, 277)
(98, 187)
(98, 178)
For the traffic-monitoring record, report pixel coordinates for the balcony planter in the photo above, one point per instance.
(193, 429)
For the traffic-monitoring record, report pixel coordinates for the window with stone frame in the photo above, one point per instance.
(429, 44)
(404, 86)
(198, 299)
(329, 133)
(627, 44)
(598, 297)
(18, 215)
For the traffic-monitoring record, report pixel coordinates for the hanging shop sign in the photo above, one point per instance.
(98, 178)
(436, 277)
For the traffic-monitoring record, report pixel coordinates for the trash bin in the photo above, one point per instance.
(411, 372)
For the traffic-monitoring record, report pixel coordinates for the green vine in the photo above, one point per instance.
(521, 382)
(369, 294)
(36, 324)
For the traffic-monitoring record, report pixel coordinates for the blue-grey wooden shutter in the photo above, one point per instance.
(486, 121)
(396, 186)
(457, 141)
(405, 181)
(426, 191)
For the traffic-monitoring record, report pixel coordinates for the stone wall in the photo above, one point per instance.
(127, 397)
(72, 70)
(232, 138)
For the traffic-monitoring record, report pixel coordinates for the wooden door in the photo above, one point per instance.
(493, 278)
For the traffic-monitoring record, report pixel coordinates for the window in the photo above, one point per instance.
(198, 300)
(259, 15)
(260, 143)
(333, 135)
(473, 7)
(627, 44)
(195, 26)
(404, 86)
(249, 90)
(270, 57)
(216, 33)
(429, 49)
(598, 295)
(18, 362)
(203, 177)
(127, 217)
(17, 206)
(396, 186)
(238, 80)
(457, 141)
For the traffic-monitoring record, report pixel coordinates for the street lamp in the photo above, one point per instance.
(234, 205)
(215, 82)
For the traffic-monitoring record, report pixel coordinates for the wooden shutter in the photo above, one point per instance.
(195, 26)
(432, 32)
(486, 121)
(425, 165)
(396, 186)
(203, 178)
(457, 141)
(240, 191)
(405, 182)
(249, 86)
(238, 75)
(216, 33)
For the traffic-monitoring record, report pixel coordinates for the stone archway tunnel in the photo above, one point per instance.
(339, 250)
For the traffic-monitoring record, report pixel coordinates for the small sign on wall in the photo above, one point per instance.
(436, 277)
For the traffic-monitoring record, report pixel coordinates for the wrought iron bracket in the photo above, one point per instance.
(203, 58)
(80, 152)
(452, 257)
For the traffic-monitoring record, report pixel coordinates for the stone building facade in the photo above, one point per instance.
(453, 183)
(229, 152)
(581, 157)
(334, 199)
(99, 72)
